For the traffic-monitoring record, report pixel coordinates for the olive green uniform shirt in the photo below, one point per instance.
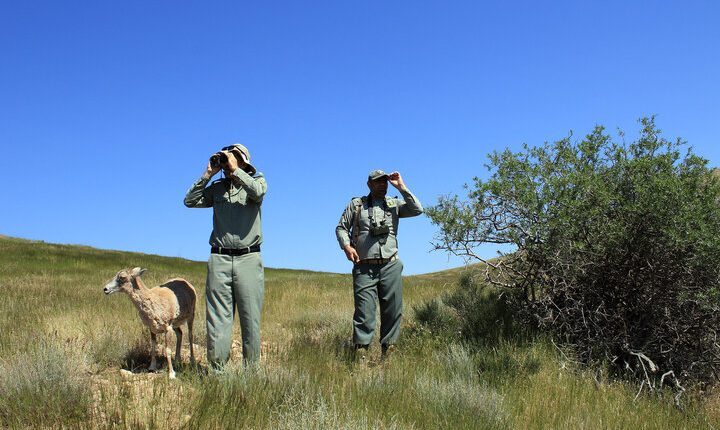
(236, 202)
(367, 245)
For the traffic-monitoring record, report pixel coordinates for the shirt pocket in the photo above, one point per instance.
(238, 197)
(232, 197)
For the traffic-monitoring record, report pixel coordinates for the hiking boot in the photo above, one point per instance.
(387, 351)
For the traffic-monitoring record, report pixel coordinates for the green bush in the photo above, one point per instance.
(436, 316)
(616, 248)
(474, 311)
(485, 311)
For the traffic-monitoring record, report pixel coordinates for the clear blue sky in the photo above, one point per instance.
(109, 110)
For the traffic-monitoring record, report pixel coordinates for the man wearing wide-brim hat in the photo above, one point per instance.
(235, 276)
(367, 233)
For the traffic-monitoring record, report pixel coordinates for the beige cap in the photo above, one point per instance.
(245, 154)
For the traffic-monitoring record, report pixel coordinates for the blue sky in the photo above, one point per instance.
(109, 110)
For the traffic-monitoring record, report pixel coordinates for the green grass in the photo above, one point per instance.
(63, 345)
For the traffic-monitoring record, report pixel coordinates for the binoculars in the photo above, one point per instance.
(221, 157)
(217, 159)
(380, 230)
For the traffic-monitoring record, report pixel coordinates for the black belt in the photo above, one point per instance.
(378, 260)
(234, 252)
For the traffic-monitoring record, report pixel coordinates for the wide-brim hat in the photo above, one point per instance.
(245, 154)
(376, 174)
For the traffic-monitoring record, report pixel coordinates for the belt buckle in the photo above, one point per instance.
(245, 250)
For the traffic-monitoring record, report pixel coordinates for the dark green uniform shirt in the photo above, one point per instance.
(356, 231)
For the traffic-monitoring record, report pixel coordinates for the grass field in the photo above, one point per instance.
(72, 357)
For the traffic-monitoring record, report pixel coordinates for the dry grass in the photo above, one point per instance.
(64, 345)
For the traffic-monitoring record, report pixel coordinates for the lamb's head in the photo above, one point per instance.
(123, 280)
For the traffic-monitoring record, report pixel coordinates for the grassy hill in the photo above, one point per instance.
(72, 357)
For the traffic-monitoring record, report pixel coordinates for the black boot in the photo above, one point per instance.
(387, 351)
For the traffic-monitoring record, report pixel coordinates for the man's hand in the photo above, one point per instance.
(351, 254)
(232, 163)
(211, 171)
(396, 180)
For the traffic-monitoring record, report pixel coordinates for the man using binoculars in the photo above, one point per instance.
(367, 232)
(235, 269)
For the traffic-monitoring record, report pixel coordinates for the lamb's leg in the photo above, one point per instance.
(171, 371)
(153, 347)
(178, 342)
(190, 338)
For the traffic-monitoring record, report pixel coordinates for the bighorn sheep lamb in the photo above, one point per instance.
(168, 305)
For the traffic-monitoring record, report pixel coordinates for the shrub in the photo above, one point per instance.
(478, 312)
(436, 316)
(485, 312)
(43, 388)
(616, 248)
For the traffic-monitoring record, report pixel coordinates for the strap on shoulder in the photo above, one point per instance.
(357, 203)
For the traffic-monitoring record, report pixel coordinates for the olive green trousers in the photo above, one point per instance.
(373, 283)
(234, 283)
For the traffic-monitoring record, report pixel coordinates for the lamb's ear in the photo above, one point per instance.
(138, 271)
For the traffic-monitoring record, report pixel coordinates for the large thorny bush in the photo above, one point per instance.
(616, 249)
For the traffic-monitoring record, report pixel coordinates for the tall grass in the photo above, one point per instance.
(63, 345)
(46, 387)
